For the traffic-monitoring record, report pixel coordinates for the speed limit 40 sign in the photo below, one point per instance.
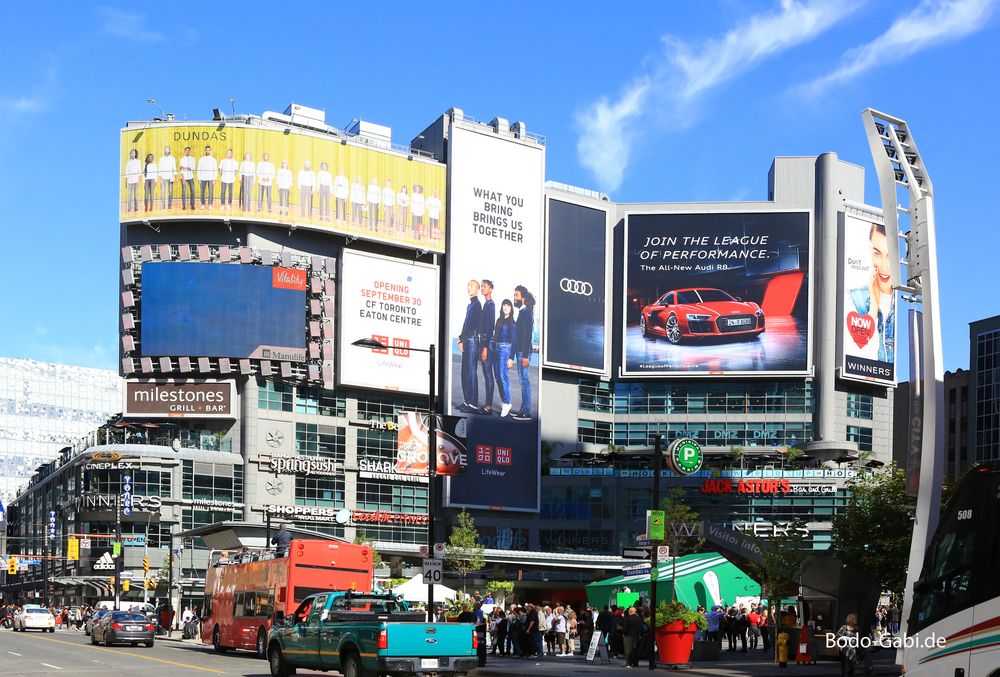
(433, 569)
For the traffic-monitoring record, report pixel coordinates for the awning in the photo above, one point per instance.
(101, 585)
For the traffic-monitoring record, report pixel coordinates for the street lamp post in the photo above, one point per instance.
(657, 465)
(431, 450)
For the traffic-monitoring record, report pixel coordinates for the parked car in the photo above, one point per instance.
(34, 618)
(89, 625)
(700, 313)
(123, 627)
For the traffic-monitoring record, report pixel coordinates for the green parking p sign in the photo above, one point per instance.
(685, 456)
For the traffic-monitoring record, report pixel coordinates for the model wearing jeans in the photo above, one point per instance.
(248, 171)
(167, 172)
(524, 327)
(502, 358)
(307, 181)
(265, 179)
(149, 179)
(468, 343)
(284, 187)
(208, 172)
(187, 179)
(133, 170)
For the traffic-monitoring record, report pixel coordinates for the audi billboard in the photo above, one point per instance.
(575, 335)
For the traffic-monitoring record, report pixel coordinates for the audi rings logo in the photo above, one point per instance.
(576, 287)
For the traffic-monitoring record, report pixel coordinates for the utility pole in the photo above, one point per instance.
(657, 466)
(170, 586)
(431, 476)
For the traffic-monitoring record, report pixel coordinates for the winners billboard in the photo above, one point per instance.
(494, 305)
(231, 170)
(394, 302)
(575, 284)
(868, 303)
(717, 293)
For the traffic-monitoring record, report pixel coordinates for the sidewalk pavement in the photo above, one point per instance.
(754, 664)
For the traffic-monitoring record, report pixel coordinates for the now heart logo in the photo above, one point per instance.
(861, 327)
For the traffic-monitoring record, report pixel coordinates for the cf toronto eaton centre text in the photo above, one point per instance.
(391, 302)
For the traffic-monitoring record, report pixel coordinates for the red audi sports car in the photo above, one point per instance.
(698, 313)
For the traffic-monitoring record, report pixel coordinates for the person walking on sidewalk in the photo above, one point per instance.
(632, 630)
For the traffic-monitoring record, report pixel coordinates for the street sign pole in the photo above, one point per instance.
(657, 465)
(431, 473)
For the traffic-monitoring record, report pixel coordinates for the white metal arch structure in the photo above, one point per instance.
(898, 164)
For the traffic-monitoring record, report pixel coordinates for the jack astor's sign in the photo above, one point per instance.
(304, 465)
(764, 487)
(195, 400)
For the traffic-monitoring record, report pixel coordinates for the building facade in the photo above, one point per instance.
(984, 388)
(45, 407)
(294, 442)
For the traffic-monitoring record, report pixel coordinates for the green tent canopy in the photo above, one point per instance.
(704, 579)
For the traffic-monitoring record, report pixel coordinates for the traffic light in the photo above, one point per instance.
(145, 564)
(150, 584)
(112, 579)
(124, 585)
(12, 565)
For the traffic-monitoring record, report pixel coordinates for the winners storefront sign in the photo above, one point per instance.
(180, 399)
(495, 304)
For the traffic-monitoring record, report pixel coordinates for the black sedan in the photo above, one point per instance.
(123, 627)
(88, 627)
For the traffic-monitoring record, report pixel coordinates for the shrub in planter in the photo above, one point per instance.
(675, 627)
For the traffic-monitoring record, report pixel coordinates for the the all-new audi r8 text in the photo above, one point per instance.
(697, 313)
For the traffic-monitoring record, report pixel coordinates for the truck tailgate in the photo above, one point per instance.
(430, 639)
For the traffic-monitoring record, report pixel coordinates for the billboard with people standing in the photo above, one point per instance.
(494, 313)
(284, 175)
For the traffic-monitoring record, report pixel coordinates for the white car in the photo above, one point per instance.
(35, 618)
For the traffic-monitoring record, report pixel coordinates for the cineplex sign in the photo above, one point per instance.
(174, 399)
(761, 487)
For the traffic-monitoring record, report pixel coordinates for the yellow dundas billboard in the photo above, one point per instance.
(198, 171)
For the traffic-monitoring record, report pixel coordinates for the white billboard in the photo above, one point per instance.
(868, 302)
(495, 299)
(394, 302)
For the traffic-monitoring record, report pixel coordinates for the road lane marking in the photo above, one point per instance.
(15, 654)
(118, 652)
(54, 667)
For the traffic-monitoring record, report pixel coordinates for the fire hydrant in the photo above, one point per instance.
(783, 650)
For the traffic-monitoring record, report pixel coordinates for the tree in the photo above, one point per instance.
(463, 551)
(681, 529)
(361, 538)
(780, 568)
(500, 590)
(874, 531)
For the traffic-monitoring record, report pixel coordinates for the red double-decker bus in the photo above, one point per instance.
(243, 596)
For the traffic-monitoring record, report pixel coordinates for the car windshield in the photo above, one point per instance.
(687, 297)
(127, 616)
(710, 295)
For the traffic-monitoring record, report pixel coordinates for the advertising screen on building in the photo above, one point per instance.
(394, 302)
(223, 310)
(717, 293)
(868, 310)
(191, 399)
(223, 171)
(494, 314)
(576, 282)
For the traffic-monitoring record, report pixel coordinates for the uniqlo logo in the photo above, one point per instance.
(384, 340)
(484, 454)
(401, 347)
(503, 456)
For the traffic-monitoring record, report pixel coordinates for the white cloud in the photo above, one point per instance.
(129, 25)
(683, 73)
(38, 101)
(932, 22)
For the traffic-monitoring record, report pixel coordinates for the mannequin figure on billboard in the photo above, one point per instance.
(265, 180)
(167, 172)
(468, 344)
(524, 301)
(133, 170)
(284, 188)
(341, 191)
(878, 300)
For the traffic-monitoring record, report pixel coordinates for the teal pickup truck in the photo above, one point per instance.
(366, 634)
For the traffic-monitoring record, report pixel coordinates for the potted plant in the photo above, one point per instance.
(454, 607)
(675, 628)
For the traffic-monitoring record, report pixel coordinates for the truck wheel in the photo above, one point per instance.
(261, 644)
(279, 668)
(352, 665)
(217, 641)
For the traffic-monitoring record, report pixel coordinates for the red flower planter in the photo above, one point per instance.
(674, 642)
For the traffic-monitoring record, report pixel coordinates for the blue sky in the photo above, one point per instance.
(658, 102)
